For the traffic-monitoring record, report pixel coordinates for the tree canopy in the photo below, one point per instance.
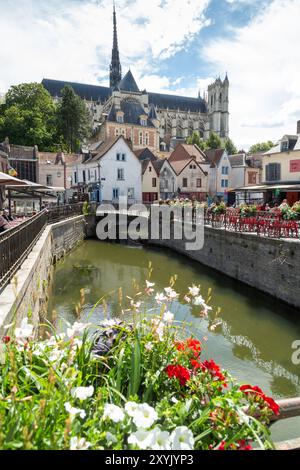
(213, 142)
(73, 119)
(261, 147)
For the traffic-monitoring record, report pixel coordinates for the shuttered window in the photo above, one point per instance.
(273, 172)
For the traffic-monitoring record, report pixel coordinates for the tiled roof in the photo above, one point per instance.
(158, 165)
(186, 152)
(88, 92)
(214, 156)
(237, 160)
(145, 154)
(175, 102)
(132, 112)
(128, 83)
(105, 147)
(179, 166)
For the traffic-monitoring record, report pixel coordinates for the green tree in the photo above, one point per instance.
(230, 147)
(214, 141)
(261, 147)
(195, 139)
(28, 116)
(73, 119)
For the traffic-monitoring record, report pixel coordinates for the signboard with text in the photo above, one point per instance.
(295, 166)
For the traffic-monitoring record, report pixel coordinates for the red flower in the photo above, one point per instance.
(6, 339)
(196, 364)
(214, 369)
(248, 390)
(222, 446)
(180, 346)
(181, 373)
(244, 446)
(188, 345)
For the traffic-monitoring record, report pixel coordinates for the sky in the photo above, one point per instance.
(173, 46)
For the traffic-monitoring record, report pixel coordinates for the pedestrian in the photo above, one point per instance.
(4, 225)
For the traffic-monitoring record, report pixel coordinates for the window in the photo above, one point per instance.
(140, 138)
(284, 146)
(224, 183)
(123, 157)
(130, 193)
(121, 174)
(58, 174)
(146, 138)
(83, 176)
(273, 172)
(120, 118)
(184, 182)
(75, 177)
(252, 177)
(49, 180)
(117, 132)
(143, 122)
(118, 157)
(89, 175)
(150, 168)
(154, 184)
(199, 183)
(124, 132)
(116, 193)
(225, 170)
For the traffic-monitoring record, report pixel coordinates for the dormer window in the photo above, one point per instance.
(120, 117)
(284, 146)
(143, 120)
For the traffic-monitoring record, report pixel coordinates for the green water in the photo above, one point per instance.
(253, 342)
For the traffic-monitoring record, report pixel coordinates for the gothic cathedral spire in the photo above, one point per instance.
(115, 67)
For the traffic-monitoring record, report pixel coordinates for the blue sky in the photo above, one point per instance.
(171, 46)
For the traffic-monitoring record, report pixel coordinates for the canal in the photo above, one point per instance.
(253, 342)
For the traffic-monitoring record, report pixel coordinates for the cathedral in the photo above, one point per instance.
(154, 120)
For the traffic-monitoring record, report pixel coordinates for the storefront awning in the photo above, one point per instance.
(264, 188)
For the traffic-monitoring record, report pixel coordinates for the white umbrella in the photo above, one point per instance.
(7, 180)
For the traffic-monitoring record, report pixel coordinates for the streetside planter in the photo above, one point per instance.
(137, 385)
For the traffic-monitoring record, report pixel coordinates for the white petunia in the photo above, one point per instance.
(168, 317)
(144, 416)
(160, 297)
(77, 443)
(199, 301)
(75, 411)
(161, 440)
(182, 439)
(141, 438)
(77, 328)
(171, 293)
(114, 413)
(194, 291)
(131, 407)
(24, 331)
(82, 392)
(111, 438)
(150, 284)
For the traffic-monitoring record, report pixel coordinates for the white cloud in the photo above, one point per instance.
(72, 40)
(263, 62)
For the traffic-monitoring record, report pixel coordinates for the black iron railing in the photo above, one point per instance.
(17, 243)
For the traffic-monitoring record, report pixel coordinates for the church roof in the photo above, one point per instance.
(175, 102)
(88, 92)
(101, 93)
(132, 112)
(152, 112)
(128, 83)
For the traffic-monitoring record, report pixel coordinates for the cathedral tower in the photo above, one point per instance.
(115, 66)
(218, 107)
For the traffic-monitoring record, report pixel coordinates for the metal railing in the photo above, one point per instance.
(16, 243)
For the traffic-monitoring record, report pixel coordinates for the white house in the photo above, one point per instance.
(110, 171)
(219, 173)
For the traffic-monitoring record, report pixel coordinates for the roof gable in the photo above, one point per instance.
(106, 146)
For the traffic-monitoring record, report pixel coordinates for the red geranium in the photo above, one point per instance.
(250, 390)
(214, 369)
(181, 373)
(196, 364)
(6, 339)
(189, 345)
(244, 446)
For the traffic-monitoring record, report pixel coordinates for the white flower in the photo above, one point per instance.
(171, 293)
(75, 411)
(141, 438)
(25, 330)
(182, 439)
(161, 440)
(77, 328)
(160, 297)
(111, 322)
(194, 291)
(199, 301)
(158, 328)
(55, 355)
(79, 443)
(111, 438)
(149, 346)
(114, 413)
(131, 407)
(150, 284)
(168, 317)
(205, 310)
(187, 299)
(144, 416)
(82, 392)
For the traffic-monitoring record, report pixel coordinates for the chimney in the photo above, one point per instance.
(298, 127)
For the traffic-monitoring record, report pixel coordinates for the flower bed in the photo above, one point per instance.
(129, 386)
